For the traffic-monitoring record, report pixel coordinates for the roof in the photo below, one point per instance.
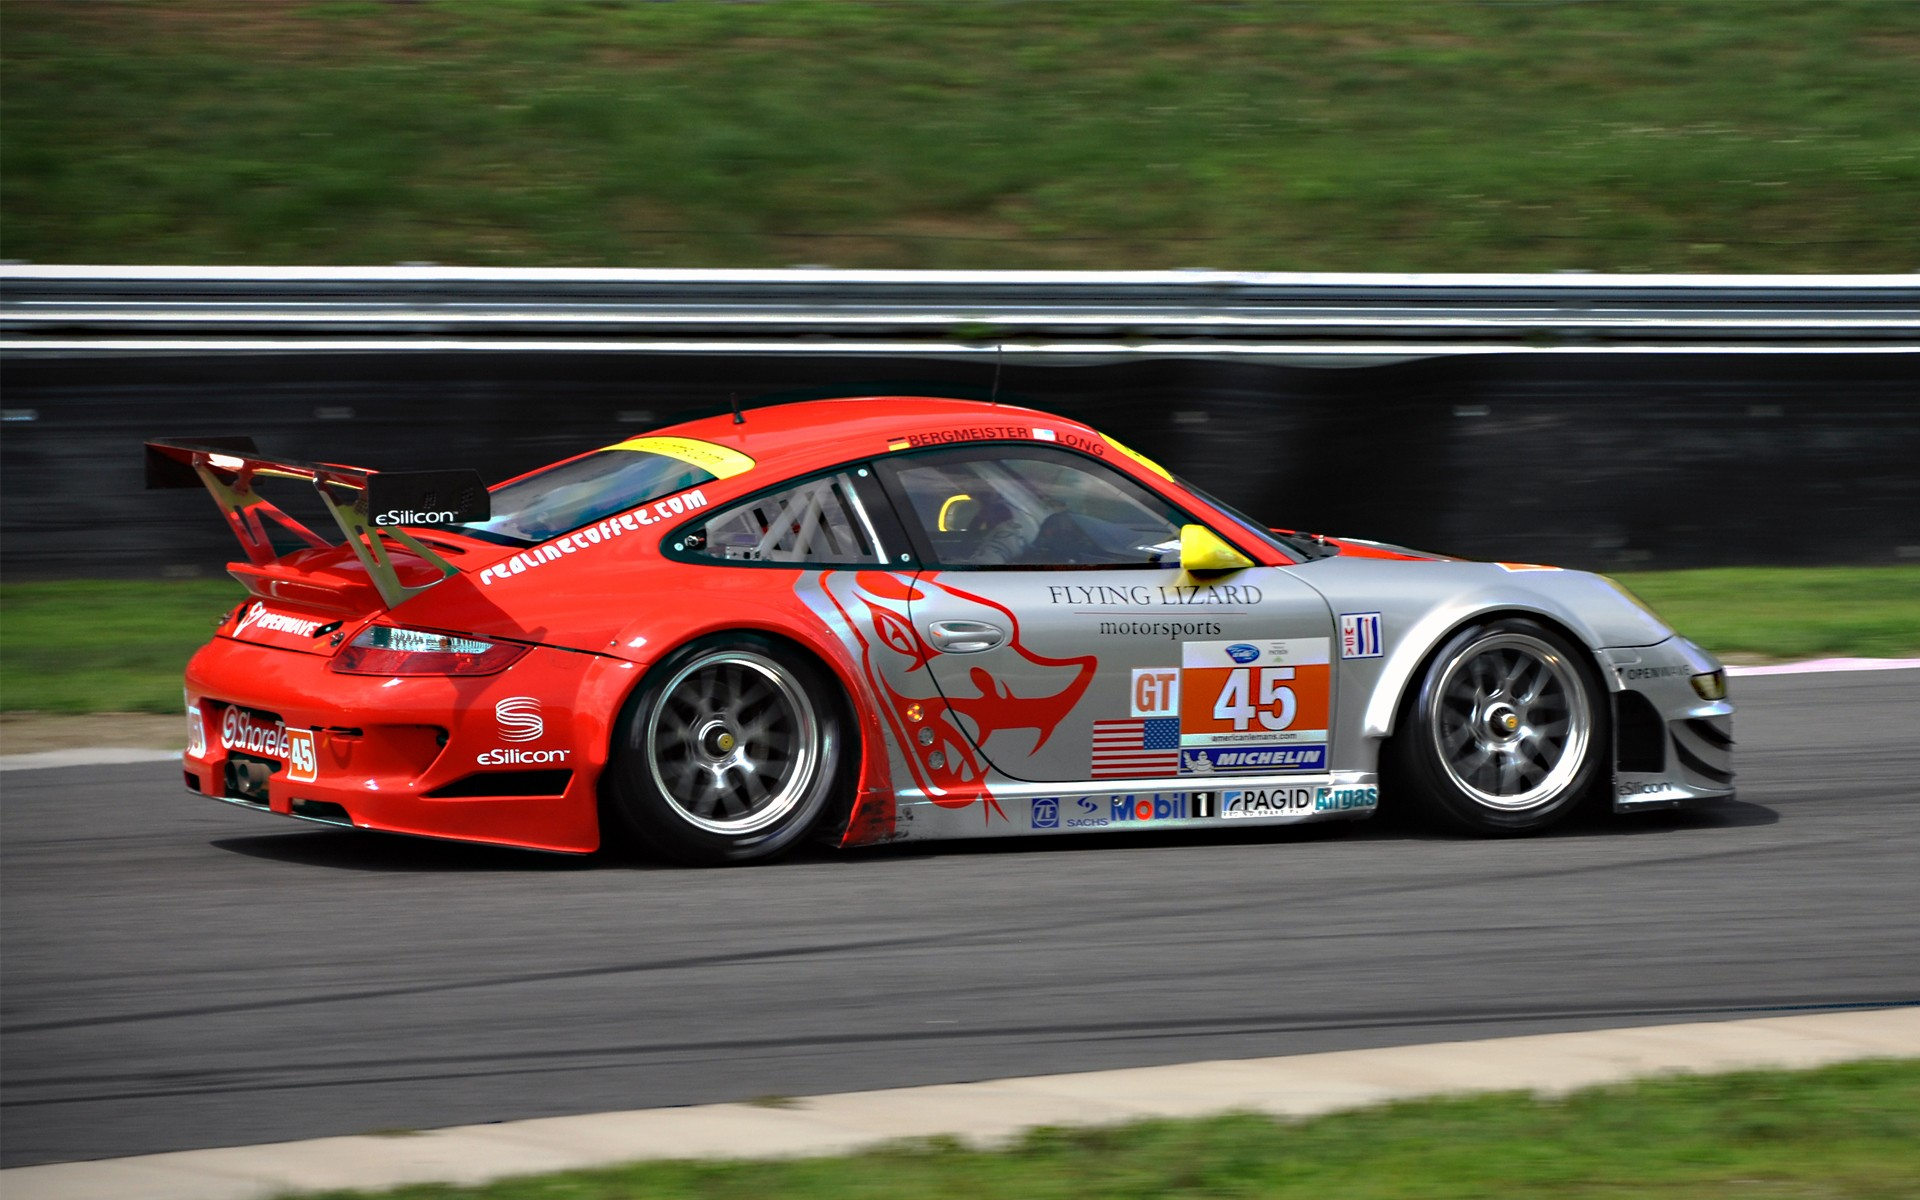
(810, 434)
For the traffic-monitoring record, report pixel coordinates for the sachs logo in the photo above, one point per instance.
(519, 718)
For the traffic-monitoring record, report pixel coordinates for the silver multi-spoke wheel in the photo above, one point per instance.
(1509, 720)
(1506, 732)
(733, 743)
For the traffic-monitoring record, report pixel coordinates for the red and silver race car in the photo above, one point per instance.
(896, 619)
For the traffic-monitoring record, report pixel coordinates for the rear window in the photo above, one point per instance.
(582, 491)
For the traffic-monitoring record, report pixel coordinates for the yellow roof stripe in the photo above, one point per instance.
(717, 461)
(1138, 457)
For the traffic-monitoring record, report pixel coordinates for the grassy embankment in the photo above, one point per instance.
(1780, 136)
(90, 646)
(1844, 1132)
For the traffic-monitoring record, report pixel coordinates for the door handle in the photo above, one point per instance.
(964, 637)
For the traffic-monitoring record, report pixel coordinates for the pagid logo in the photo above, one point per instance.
(519, 718)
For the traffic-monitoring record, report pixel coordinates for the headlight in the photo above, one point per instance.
(1712, 685)
(391, 650)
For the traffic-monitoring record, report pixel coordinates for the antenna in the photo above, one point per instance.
(734, 399)
(999, 352)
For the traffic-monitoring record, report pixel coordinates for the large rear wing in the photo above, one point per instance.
(369, 506)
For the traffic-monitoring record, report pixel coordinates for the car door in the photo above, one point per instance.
(1068, 644)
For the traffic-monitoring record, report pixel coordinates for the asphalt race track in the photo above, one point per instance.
(177, 974)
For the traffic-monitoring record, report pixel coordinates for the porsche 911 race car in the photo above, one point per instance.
(897, 619)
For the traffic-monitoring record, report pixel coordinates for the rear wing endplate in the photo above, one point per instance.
(367, 505)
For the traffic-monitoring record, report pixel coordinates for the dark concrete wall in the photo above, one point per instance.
(1603, 461)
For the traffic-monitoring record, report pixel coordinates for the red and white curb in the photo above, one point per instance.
(983, 1114)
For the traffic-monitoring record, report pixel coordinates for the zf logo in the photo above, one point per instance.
(1046, 814)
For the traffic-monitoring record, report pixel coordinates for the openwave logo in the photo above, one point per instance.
(519, 718)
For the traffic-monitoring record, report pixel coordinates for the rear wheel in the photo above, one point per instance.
(1507, 731)
(727, 753)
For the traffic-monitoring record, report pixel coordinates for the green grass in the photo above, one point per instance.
(92, 646)
(1851, 1131)
(95, 646)
(1785, 614)
(1640, 135)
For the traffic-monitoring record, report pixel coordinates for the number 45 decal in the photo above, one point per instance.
(1277, 688)
(303, 764)
(1275, 709)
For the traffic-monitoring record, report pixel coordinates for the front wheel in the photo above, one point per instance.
(1507, 731)
(728, 752)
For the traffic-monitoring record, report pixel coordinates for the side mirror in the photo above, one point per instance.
(1201, 549)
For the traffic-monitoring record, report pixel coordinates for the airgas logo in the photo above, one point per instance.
(1328, 799)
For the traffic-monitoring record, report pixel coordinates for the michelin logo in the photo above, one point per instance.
(1227, 759)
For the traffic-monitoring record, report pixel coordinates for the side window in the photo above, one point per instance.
(819, 522)
(1031, 506)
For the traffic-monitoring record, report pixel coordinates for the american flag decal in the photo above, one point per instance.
(1140, 748)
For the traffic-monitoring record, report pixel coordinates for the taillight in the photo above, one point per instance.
(390, 650)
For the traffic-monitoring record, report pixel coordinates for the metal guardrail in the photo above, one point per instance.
(1301, 317)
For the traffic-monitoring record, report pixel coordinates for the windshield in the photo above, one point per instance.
(1293, 545)
(573, 494)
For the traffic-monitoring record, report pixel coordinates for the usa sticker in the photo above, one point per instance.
(1360, 635)
(1045, 435)
(303, 765)
(196, 732)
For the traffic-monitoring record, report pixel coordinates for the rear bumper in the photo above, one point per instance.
(508, 759)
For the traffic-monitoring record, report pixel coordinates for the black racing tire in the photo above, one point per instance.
(728, 752)
(1507, 730)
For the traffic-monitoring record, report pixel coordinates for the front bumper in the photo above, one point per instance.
(508, 759)
(1671, 747)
